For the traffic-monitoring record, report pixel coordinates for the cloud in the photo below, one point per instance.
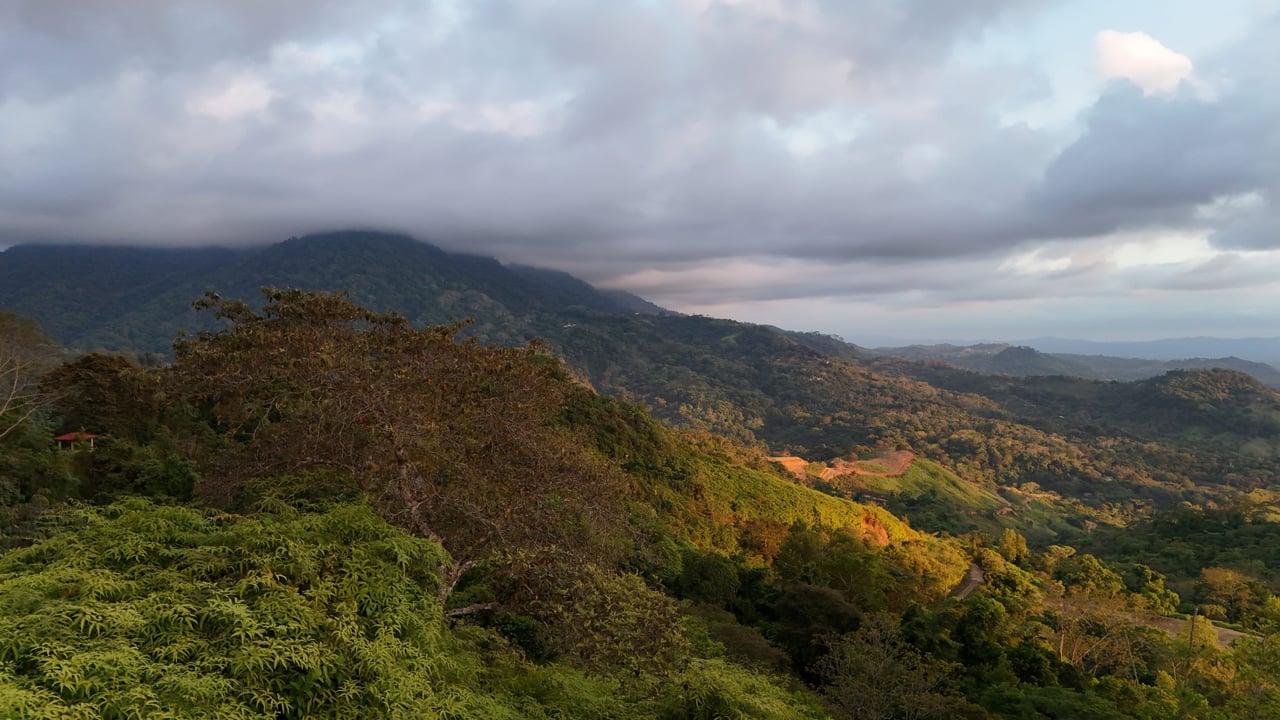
(635, 131)
(1147, 160)
(1140, 58)
(755, 148)
(1177, 160)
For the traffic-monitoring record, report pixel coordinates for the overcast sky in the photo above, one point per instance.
(988, 169)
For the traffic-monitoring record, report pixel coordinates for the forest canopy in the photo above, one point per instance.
(509, 543)
(457, 442)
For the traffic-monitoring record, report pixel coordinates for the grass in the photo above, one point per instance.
(925, 478)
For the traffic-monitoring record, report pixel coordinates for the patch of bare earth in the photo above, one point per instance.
(794, 465)
(1176, 627)
(889, 463)
(972, 580)
(1179, 628)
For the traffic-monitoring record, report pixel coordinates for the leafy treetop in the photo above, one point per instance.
(457, 442)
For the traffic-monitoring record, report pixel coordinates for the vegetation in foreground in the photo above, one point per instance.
(322, 511)
(143, 610)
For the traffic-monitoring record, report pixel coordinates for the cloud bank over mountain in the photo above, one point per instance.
(849, 165)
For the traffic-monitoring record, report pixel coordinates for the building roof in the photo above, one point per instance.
(73, 436)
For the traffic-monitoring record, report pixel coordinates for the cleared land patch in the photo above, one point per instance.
(889, 463)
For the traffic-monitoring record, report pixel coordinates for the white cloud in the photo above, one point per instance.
(1161, 248)
(243, 95)
(1034, 262)
(1138, 57)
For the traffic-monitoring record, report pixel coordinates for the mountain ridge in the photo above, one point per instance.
(1256, 349)
(1023, 361)
(120, 298)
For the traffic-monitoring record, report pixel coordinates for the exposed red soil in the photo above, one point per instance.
(874, 530)
(794, 465)
(888, 463)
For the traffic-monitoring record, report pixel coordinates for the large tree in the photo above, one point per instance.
(457, 442)
(873, 673)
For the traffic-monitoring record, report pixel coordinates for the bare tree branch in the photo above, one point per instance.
(25, 353)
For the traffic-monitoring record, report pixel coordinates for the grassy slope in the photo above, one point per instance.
(720, 505)
(925, 477)
(935, 498)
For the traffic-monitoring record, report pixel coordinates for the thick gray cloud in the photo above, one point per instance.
(1208, 155)
(1147, 161)
(625, 130)
(614, 138)
(50, 46)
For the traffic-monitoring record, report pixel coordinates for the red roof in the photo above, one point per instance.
(73, 436)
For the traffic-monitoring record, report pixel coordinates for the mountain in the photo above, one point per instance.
(76, 291)
(558, 552)
(1023, 361)
(1112, 368)
(992, 358)
(1257, 349)
(1100, 452)
(138, 299)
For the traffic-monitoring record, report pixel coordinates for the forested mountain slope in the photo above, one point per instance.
(138, 299)
(347, 514)
(1110, 451)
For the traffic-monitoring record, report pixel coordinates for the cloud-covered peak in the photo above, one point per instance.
(683, 147)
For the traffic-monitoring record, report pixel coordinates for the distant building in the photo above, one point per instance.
(70, 439)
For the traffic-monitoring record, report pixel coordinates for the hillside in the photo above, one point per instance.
(562, 511)
(344, 514)
(1100, 451)
(80, 293)
(138, 299)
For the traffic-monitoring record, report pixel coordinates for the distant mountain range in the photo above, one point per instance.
(1256, 349)
(124, 298)
(1023, 361)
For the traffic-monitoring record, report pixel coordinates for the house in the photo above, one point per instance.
(70, 439)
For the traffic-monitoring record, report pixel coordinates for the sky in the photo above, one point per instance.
(877, 169)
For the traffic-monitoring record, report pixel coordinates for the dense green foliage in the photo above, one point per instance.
(138, 610)
(526, 547)
(1226, 561)
(138, 299)
(455, 441)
